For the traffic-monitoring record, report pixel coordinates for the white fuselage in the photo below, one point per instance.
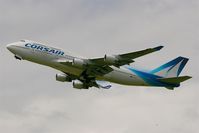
(50, 56)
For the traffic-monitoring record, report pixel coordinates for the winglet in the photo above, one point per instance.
(158, 48)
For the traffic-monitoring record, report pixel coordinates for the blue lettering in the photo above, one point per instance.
(27, 44)
(45, 49)
(60, 53)
(56, 52)
(52, 51)
(40, 48)
(33, 46)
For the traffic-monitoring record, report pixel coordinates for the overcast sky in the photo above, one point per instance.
(31, 101)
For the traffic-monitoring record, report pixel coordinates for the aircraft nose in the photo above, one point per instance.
(9, 47)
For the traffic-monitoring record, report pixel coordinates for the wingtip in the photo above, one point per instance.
(188, 77)
(158, 48)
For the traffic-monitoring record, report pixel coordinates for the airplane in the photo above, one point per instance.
(99, 72)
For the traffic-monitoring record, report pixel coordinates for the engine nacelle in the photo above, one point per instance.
(110, 59)
(63, 77)
(78, 63)
(78, 84)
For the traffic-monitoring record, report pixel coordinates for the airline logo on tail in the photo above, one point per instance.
(172, 68)
(166, 75)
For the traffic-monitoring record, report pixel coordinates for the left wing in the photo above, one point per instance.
(123, 59)
(101, 66)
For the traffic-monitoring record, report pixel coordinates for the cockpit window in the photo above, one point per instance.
(22, 41)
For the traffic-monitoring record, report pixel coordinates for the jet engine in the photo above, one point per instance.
(63, 77)
(110, 59)
(78, 62)
(78, 84)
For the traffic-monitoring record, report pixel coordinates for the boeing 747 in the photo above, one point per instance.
(99, 72)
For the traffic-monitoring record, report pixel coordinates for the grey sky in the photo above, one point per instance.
(32, 101)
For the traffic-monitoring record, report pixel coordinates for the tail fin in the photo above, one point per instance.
(172, 68)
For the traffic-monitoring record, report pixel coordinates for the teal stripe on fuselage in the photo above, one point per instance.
(151, 79)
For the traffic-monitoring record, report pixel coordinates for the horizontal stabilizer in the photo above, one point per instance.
(175, 80)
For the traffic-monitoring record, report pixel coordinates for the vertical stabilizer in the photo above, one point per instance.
(172, 68)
